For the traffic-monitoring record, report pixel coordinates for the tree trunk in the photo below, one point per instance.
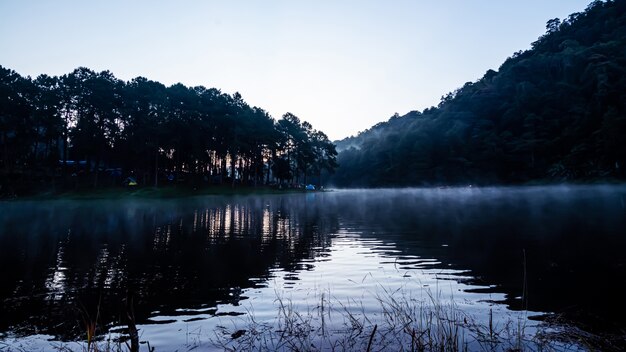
(232, 170)
(223, 171)
(64, 157)
(256, 165)
(156, 167)
(96, 170)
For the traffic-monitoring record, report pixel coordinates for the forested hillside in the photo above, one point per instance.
(555, 112)
(87, 129)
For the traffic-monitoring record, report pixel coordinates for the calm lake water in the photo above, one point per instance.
(196, 270)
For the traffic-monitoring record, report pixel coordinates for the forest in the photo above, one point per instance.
(86, 130)
(553, 113)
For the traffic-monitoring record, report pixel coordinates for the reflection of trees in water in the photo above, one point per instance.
(167, 256)
(570, 240)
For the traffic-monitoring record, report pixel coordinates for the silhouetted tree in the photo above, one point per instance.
(90, 125)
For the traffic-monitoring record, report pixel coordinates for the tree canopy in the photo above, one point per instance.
(90, 129)
(553, 112)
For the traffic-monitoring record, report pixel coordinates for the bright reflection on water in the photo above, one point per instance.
(195, 267)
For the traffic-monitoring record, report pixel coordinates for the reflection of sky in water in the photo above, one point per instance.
(354, 276)
(55, 283)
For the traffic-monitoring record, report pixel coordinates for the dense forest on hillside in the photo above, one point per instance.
(555, 112)
(88, 130)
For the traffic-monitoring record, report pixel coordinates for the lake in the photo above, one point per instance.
(502, 266)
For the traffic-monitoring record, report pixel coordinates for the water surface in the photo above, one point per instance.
(190, 268)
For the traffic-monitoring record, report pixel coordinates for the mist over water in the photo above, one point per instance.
(206, 261)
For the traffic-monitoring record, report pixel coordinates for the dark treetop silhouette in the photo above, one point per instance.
(89, 129)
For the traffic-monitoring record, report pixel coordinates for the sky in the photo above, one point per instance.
(342, 65)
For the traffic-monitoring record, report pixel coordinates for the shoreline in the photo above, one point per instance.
(154, 193)
(173, 192)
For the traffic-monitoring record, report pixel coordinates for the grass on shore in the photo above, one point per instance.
(402, 323)
(166, 192)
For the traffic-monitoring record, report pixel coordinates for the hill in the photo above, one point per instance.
(555, 112)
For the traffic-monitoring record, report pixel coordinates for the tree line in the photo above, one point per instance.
(555, 112)
(91, 129)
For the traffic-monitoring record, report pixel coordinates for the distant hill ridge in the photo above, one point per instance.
(552, 113)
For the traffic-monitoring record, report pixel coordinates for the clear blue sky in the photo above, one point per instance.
(341, 65)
